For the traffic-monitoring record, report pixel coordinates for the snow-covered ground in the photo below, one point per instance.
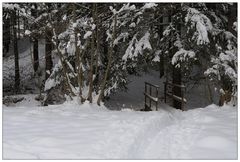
(71, 131)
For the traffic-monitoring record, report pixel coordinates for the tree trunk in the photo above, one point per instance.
(90, 77)
(78, 65)
(35, 43)
(6, 34)
(18, 23)
(232, 16)
(97, 52)
(35, 54)
(161, 63)
(48, 52)
(16, 59)
(109, 63)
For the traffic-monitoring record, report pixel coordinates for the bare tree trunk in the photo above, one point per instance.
(18, 23)
(6, 33)
(90, 77)
(78, 65)
(35, 44)
(16, 58)
(97, 52)
(48, 54)
(109, 63)
(161, 63)
(35, 54)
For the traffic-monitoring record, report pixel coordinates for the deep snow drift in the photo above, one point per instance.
(70, 131)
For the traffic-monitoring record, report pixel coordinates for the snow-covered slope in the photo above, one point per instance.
(70, 131)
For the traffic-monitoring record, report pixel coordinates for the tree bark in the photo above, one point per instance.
(18, 23)
(35, 54)
(90, 78)
(48, 54)
(6, 33)
(16, 55)
(97, 52)
(161, 63)
(35, 43)
(78, 65)
(109, 64)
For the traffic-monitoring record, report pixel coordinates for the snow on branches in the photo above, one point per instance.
(137, 47)
(202, 24)
(181, 56)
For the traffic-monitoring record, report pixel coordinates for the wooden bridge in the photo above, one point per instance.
(151, 95)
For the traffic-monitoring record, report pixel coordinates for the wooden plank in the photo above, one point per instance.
(156, 86)
(177, 97)
(155, 99)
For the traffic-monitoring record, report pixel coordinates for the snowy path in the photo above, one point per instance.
(87, 132)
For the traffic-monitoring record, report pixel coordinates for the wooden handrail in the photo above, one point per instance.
(156, 86)
(148, 94)
(181, 99)
(154, 99)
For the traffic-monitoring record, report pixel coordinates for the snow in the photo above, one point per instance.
(132, 25)
(149, 5)
(73, 131)
(27, 32)
(121, 36)
(202, 23)
(182, 55)
(140, 46)
(235, 26)
(50, 83)
(64, 17)
(87, 34)
(126, 7)
(71, 48)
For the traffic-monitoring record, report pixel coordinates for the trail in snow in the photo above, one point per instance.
(70, 131)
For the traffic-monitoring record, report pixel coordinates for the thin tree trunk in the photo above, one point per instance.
(91, 62)
(97, 52)
(161, 63)
(108, 65)
(18, 22)
(16, 58)
(35, 43)
(78, 65)
(6, 34)
(35, 54)
(48, 54)
(67, 80)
